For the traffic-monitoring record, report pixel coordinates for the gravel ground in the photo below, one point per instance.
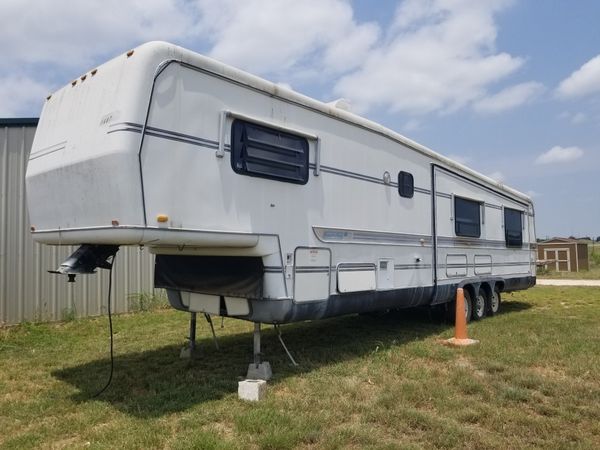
(546, 282)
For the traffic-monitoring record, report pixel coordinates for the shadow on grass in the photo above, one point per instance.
(511, 306)
(157, 382)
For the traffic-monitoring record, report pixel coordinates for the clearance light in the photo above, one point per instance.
(49, 97)
(83, 77)
(115, 223)
(129, 53)
(162, 218)
(93, 72)
(73, 83)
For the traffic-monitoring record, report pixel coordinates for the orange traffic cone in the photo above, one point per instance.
(460, 338)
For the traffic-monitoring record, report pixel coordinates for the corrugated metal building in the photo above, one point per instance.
(27, 291)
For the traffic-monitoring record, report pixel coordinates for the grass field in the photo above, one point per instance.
(592, 274)
(363, 382)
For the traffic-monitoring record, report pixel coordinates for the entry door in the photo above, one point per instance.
(563, 264)
(560, 256)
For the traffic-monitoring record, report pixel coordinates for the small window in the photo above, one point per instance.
(264, 152)
(406, 184)
(467, 220)
(513, 227)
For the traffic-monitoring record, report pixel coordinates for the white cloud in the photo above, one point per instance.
(574, 118)
(559, 154)
(284, 40)
(282, 36)
(71, 34)
(578, 118)
(348, 50)
(509, 98)
(584, 81)
(20, 95)
(438, 56)
(49, 43)
(412, 125)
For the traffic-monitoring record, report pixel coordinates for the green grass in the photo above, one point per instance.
(363, 382)
(592, 274)
(148, 301)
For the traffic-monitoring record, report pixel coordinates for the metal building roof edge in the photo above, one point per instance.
(19, 121)
(561, 240)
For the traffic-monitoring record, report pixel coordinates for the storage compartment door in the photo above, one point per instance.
(456, 265)
(356, 277)
(483, 264)
(311, 274)
(385, 274)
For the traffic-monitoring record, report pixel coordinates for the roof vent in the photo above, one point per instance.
(341, 103)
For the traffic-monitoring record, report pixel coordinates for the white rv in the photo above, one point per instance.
(264, 204)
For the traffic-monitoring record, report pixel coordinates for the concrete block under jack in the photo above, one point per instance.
(252, 390)
(260, 371)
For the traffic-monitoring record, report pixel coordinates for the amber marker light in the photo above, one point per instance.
(162, 218)
(115, 223)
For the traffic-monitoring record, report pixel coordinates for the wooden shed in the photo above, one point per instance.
(563, 255)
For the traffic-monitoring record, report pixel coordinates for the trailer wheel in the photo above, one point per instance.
(495, 300)
(479, 305)
(468, 305)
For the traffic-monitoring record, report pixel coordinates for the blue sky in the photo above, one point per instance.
(509, 87)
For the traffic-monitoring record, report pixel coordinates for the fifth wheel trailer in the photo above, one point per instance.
(261, 203)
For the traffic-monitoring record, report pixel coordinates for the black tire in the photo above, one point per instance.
(495, 301)
(480, 305)
(468, 305)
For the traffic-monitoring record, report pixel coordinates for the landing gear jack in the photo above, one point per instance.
(258, 370)
(189, 351)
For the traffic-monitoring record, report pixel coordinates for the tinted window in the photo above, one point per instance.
(467, 220)
(268, 153)
(406, 184)
(513, 227)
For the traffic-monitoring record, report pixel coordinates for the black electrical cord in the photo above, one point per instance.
(110, 327)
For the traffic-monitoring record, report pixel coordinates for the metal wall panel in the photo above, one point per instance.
(27, 291)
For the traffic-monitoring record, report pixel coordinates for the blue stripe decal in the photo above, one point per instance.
(213, 145)
(166, 134)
